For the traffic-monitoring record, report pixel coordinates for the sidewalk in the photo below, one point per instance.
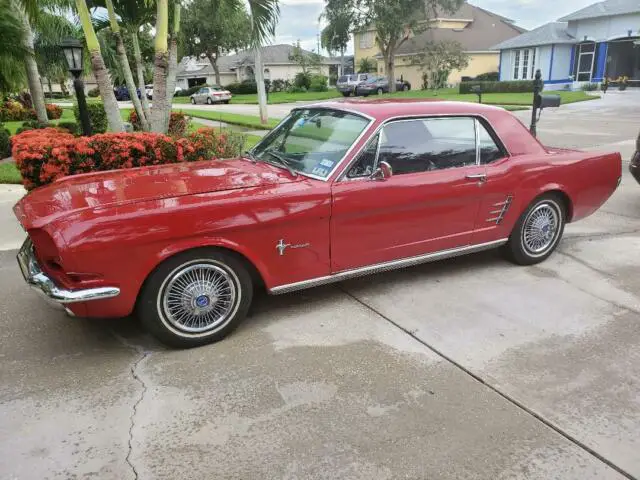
(11, 233)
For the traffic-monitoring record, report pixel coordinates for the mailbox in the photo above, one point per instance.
(549, 101)
(477, 89)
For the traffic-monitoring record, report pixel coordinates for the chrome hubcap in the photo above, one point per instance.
(540, 228)
(199, 297)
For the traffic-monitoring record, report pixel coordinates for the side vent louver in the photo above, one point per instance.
(498, 214)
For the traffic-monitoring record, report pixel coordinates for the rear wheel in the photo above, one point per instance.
(346, 94)
(209, 101)
(405, 87)
(196, 297)
(538, 231)
(226, 102)
(380, 91)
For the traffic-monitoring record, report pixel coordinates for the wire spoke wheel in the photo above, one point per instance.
(541, 228)
(198, 297)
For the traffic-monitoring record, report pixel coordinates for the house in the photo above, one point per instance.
(598, 41)
(476, 29)
(194, 71)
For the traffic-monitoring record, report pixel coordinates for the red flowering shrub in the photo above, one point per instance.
(48, 154)
(53, 111)
(178, 123)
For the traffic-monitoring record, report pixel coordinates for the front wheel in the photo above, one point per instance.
(538, 231)
(193, 101)
(380, 91)
(196, 297)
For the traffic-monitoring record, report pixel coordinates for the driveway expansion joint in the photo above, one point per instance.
(143, 355)
(509, 398)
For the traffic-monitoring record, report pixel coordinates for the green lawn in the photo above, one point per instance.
(67, 116)
(9, 173)
(249, 121)
(446, 94)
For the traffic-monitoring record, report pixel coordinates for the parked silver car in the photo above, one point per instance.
(346, 84)
(211, 95)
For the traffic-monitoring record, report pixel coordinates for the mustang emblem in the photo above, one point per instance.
(281, 246)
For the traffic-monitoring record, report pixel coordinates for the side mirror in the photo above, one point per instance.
(383, 171)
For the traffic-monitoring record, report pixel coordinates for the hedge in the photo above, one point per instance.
(43, 156)
(242, 88)
(5, 142)
(97, 116)
(515, 86)
(12, 111)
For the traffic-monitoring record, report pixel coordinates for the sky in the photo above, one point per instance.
(299, 18)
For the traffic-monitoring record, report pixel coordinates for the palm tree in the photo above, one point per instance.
(22, 13)
(12, 49)
(125, 67)
(161, 67)
(99, 69)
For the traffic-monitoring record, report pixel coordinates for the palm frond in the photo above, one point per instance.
(264, 18)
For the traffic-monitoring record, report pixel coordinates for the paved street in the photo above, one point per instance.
(471, 368)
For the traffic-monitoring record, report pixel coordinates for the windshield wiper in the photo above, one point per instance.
(282, 161)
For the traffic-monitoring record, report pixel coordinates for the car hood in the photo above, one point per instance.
(116, 187)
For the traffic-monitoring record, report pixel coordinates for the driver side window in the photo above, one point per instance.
(366, 161)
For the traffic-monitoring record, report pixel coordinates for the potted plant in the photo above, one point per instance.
(622, 82)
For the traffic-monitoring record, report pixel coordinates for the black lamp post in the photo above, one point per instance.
(73, 50)
(537, 88)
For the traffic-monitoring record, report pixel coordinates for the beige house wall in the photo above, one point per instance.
(480, 62)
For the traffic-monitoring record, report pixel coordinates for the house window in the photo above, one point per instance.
(533, 61)
(366, 39)
(525, 63)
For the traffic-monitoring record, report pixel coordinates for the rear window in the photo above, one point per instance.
(344, 78)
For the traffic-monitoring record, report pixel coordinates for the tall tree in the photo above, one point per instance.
(50, 29)
(335, 37)
(161, 66)
(214, 28)
(103, 79)
(394, 21)
(307, 61)
(12, 48)
(123, 60)
(31, 66)
(437, 60)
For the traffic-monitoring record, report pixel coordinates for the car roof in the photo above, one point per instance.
(388, 108)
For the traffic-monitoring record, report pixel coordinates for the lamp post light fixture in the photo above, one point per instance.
(73, 52)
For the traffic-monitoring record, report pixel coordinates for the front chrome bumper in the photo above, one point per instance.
(39, 281)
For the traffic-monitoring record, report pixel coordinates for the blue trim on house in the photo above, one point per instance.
(601, 61)
(553, 48)
(554, 82)
(500, 66)
(573, 59)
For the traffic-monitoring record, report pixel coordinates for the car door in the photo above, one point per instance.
(430, 203)
(199, 95)
(495, 216)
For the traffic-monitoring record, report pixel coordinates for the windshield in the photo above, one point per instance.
(311, 141)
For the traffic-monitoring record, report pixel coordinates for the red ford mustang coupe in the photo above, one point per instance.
(336, 191)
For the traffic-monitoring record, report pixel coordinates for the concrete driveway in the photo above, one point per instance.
(469, 369)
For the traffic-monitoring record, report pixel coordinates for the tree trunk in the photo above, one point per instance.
(126, 68)
(161, 64)
(638, 142)
(50, 87)
(342, 61)
(262, 94)
(31, 67)
(173, 65)
(171, 78)
(103, 79)
(390, 65)
(216, 70)
(140, 71)
(131, 85)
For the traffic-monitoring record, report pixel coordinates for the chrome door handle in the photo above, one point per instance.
(480, 177)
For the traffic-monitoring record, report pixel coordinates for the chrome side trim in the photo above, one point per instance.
(39, 281)
(383, 267)
(502, 210)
